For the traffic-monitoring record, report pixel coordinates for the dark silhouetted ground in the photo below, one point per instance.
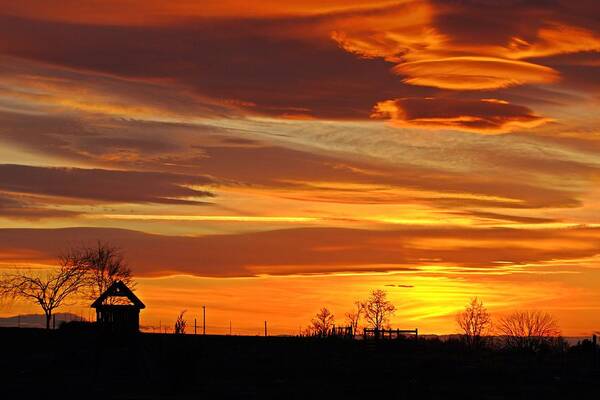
(81, 364)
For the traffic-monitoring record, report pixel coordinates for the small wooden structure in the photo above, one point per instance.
(374, 333)
(118, 309)
(342, 331)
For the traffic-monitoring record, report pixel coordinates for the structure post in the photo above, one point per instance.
(266, 328)
(204, 320)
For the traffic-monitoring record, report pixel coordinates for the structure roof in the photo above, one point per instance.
(118, 289)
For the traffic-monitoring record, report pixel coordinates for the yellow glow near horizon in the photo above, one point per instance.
(224, 218)
(424, 299)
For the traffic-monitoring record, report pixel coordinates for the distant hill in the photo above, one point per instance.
(35, 320)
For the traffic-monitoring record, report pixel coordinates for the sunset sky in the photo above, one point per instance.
(269, 158)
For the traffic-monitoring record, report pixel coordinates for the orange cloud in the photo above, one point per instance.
(448, 47)
(552, 40)
(243, 73)
(474, 73)
(313, 250)
(390, 33)
(101, 185)
(485, 115)
(152, 12)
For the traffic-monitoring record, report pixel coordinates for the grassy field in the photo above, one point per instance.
(80, 364)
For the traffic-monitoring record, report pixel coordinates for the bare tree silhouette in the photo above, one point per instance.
(378, 309)
(323, 322)
(104, 264)
(528, 330)
(475, 321)
(353, 317)
(49, 289)
(180, 324)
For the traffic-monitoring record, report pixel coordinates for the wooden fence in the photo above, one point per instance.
(374, 333)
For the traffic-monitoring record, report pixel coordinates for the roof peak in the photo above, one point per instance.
(118, 289)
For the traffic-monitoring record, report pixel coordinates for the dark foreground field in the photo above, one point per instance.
(62, 364)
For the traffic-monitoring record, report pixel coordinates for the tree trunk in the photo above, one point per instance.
(48, 318)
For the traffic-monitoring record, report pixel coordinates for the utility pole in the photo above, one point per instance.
(595, 349)
(194, 326)
(229, 327)
(266, 328)
(204, 320)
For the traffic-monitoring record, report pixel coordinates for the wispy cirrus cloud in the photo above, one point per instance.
(19, 207)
